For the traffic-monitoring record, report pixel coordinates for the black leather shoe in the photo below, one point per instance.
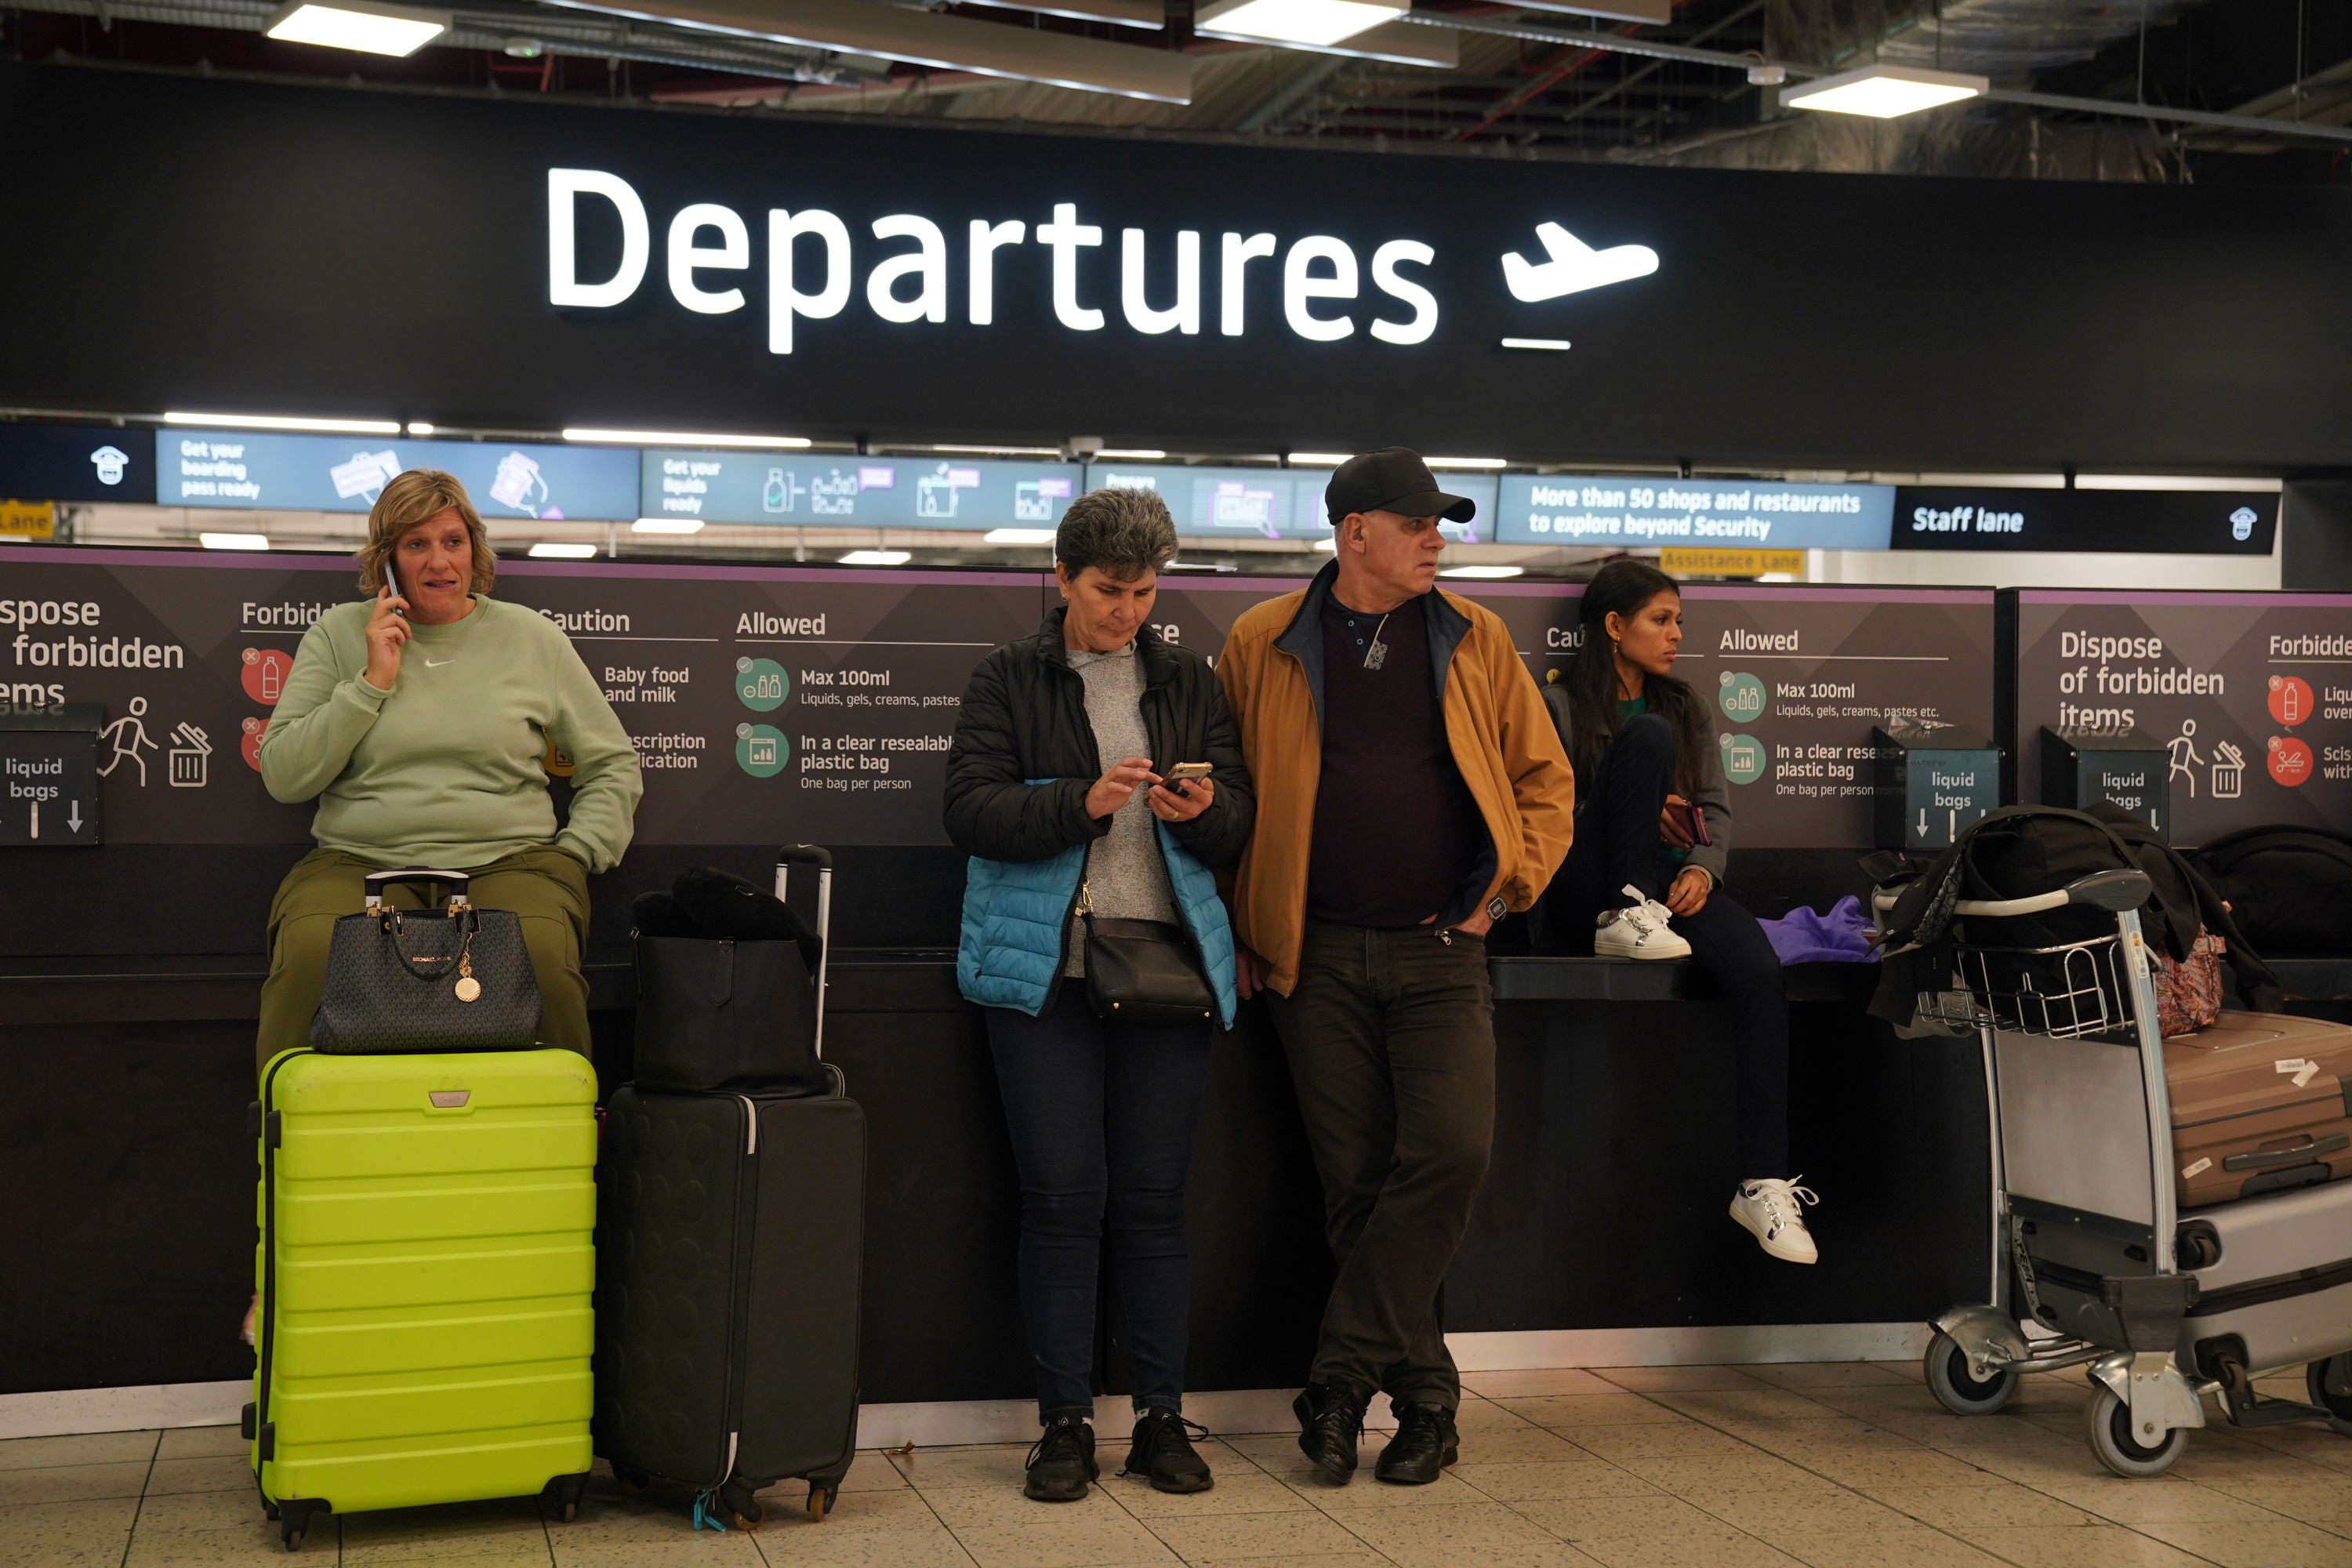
(1330, 1419)
(1063, 1461)
(1163, 1452)
(1424, 1444)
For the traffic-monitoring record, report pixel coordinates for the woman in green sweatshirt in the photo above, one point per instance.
(422, 721)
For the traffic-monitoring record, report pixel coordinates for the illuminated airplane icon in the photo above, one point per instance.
(1574, 267)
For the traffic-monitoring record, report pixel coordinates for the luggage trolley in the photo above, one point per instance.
(2083, 1189)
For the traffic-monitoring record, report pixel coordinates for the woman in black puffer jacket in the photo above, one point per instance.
(1058, 783)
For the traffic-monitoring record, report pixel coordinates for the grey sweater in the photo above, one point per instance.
(1125, 877)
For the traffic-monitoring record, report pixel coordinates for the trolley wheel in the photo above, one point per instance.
(2108, 1422)
(1955, 1385)
(630, 1479)
(571, 1510)
(292, 1535)
(821, 1501)
(2339, 1407)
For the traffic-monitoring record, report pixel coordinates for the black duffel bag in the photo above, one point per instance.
(727, 998)
(736, 1016)
(2290, 888)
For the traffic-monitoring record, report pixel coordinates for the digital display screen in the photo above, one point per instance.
(1621, 512)
(1268, 503)
(951, 493)
(251, 470)
(76, 462)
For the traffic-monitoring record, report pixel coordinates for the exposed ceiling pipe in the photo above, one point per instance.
(1150, 15)
(922, 38)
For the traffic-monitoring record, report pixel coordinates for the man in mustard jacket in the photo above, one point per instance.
(1412, 791)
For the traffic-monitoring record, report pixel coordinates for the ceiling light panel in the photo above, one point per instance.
(1316, 24)
(360, 25)
(1884, 93)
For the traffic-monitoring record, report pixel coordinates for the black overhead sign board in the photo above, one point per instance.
(2140, 522)
(77, 462)
(777, 703)
(488, 264)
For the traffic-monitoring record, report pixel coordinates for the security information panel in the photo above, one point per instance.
(951, 492)
(779, 702)
(2249, 694)
(249, 471)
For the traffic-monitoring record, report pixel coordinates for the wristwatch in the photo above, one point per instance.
(1496, 909)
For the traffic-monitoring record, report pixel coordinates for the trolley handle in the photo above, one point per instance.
(2116, 891)
(2112, 890)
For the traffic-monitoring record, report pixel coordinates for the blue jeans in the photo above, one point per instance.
(1103, 1117)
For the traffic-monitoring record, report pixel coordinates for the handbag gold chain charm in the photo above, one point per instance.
(468, 987)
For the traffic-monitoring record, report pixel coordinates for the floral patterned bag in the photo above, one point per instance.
(2188, 991)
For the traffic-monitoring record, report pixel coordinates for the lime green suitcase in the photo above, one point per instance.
(425, 1269)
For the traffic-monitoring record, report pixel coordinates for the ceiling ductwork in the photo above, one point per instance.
(2008, 40)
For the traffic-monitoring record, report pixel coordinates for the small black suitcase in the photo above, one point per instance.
(728, 1255)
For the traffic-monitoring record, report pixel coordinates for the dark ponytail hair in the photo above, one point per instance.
(1622, 587)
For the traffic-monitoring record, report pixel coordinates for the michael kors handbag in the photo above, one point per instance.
(451, 979)
(1143, 971)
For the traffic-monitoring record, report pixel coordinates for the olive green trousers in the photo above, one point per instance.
(546, 887)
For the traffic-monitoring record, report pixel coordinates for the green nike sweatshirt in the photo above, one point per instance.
(448, 768)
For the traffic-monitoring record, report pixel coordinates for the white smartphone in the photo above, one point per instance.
(1176, 777)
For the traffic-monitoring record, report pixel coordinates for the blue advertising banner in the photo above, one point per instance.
(1267, 503)
(252, 470)
(1574, 508)
(956, 493)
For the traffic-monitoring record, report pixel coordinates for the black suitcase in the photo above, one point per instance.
(729, 1255)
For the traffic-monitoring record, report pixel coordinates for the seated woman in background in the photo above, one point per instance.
(420, 720)
(1642, 881)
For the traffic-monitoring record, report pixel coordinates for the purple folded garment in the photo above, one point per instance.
(1800, 936)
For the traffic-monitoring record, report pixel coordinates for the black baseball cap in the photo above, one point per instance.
(1393, 478)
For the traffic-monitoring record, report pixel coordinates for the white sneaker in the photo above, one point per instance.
(1775, 1211)
(1639, 930)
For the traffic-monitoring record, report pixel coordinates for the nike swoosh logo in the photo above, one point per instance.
(1573, 267)
(437, 663)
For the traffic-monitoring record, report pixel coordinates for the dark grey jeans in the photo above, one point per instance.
(1391, 1040)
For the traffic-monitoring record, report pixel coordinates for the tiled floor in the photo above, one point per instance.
(1848, 1465)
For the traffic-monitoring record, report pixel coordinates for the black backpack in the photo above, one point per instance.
(2289, 888)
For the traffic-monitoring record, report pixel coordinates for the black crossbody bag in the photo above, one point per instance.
(1143, 971)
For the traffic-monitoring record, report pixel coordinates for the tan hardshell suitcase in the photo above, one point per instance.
(2258, 1104)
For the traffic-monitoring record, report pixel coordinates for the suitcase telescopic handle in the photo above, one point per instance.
(818, 856)
(417, 875)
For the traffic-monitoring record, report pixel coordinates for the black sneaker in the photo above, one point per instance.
(1424, 1444)
(1331, 1420)
(1063, 1461)
(1162, 1452)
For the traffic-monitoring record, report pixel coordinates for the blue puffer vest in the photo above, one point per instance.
(1017, 912)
